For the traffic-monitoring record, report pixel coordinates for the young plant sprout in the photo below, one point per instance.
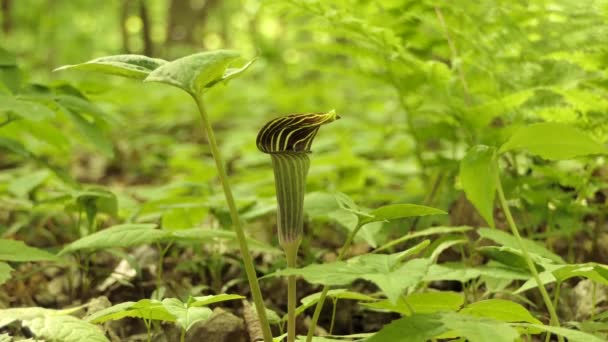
(288, 139)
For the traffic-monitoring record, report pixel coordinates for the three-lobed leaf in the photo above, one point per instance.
(185, 315)
(387, 271)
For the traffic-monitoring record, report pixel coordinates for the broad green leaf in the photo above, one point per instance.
(571, 335)
(132, 66)
(145, 308)
(185, 315)
(196, 72)
(107, 313)
(414, 328)
(398, 211)
(65, 328)
(462, 273)
(425, 232)
(514, 257)
(5, 272)
(26, 109)
(477, 329)
(211, 299)
(509, 240)
(596, 272)
(14, 250)
(500, 310)
(126, 235)
(385, 270)
(53, 325)
(553, 141)
(427, 302)
(422, 327)
(479, 176)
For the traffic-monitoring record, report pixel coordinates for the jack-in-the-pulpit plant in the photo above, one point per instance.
(288, 139)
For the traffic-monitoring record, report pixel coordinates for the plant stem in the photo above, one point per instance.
(236, 223)
(291, 253)
(317, 313)
(529, 262)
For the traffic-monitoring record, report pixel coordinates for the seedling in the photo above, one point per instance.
(194, 74)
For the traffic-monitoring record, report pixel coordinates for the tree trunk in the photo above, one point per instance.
(124, 15)
(7, 24)
(146, 28)
(184, 20)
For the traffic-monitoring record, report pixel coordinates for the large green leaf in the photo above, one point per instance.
(553, 141)
(132, 66)
(427, 302)
(500, 310)
(398, 211)
(196, 72)
(154, 309)
(422, 327)
(571, 335)
(478, 175)
(145, 308)
(387, 271)
(125, 235)
(509, 240)
(53, 325)
(14, 250)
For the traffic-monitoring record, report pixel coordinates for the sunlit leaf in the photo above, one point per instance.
(125, 235)
(132, 66)
(14, 250)
(196, 72)
(553, 141)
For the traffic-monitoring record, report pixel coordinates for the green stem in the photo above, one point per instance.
(236, 223)
(317, 313)
(529, 262)
(291, 253)
(333, 315)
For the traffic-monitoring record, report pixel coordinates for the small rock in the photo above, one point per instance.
(222, 326)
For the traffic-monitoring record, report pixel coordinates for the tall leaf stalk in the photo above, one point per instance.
(529, 262)
(256, 293)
